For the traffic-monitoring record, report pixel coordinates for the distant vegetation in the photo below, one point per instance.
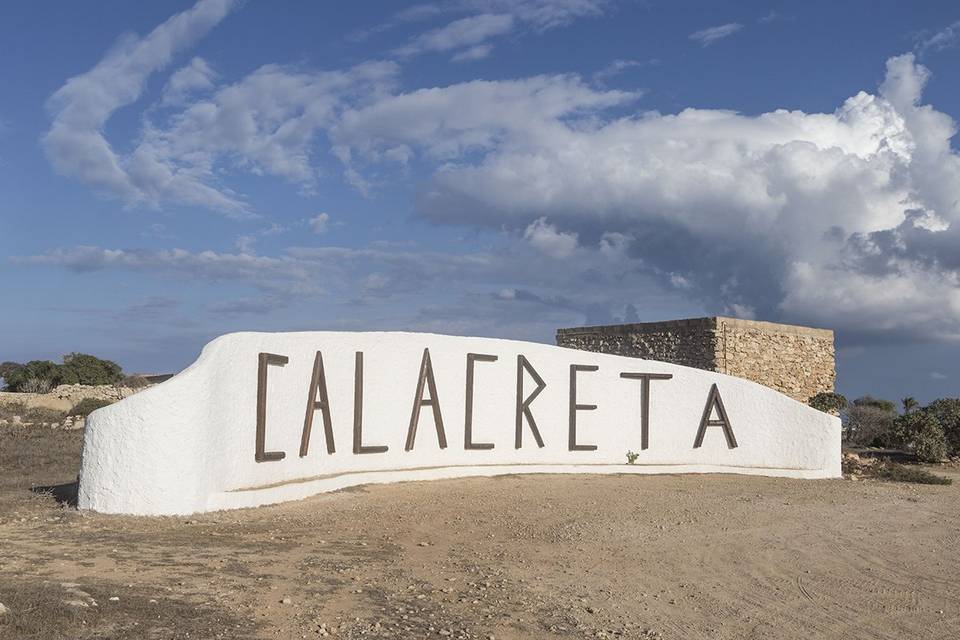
(88, 405)
(39, 376)
(932, 433)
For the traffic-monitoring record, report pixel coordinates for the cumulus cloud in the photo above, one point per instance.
(845, 219)
(544, 237)
(712, 35)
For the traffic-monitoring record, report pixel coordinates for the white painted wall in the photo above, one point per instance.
(187, 445)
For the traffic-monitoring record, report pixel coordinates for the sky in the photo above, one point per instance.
(173, 171)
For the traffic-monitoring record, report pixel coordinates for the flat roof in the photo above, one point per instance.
(708, 323)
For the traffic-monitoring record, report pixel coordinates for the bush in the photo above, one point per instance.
(35, 369)
(77, 368)
(6, 368)
(828, 402)
(35, 385)
(80, 368)
(88, 405)
(870, 423)
(947, 413)
(923, 433)
(902, 473)
(134, 382)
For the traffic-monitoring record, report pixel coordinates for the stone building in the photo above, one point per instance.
(797, 361)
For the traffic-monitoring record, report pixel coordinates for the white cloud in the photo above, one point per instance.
(711, 35)
(488, 19)
(81, 108)
(473, 53)
(478, 115)
(936, 375)
(460, 34)
(506, 290)
(194, 77)
(544, 237)
(944, 38)
(617, 67)
(846, 219)
(319, 223)
(843, 219)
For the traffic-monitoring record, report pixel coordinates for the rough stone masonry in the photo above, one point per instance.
(797, 361)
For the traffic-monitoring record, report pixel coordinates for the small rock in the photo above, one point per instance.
(286, 601)
(114, 599)
(3, 610)
(423, 544)
(75, 603)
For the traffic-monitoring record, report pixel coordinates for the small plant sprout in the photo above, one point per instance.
(632, 457)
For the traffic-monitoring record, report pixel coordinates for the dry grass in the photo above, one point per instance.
(31, 414)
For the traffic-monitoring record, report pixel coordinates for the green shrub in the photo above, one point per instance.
(632, 457)
(828, 402)
(6, 368)
(80, 368)
(88, 405)
(33, 370)
(923, 433)
(947, 413)
(77, 368)
(902, 473)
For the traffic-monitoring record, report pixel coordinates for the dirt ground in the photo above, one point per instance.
(512, 557)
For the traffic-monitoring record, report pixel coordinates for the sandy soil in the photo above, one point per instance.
(512, 557)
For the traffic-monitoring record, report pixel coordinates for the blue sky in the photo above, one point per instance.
(172, 171)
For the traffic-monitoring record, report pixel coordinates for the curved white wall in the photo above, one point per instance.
(188, 445)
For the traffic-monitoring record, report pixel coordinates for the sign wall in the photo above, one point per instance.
(262, 418)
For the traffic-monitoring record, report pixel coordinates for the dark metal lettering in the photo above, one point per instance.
(318, 384)
(715, 401)
(426, 377)
(264, 360)
(468, 442)
(523, 405)
(645, 379)
(574, 407)
(358, 446)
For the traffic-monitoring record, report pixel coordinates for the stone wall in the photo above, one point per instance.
(797, 361)
(66, 396)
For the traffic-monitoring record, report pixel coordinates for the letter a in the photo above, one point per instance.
(318, 384)
(426, 378)
(715, 401)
